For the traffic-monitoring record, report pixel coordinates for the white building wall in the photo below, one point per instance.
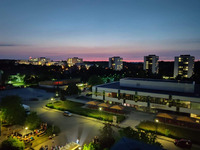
(157, 85)
(176, 66)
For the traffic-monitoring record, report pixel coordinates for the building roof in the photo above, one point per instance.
(131, 144)
(158, 80)
(116, 85)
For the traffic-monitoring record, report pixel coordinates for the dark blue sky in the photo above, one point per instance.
(98, 29)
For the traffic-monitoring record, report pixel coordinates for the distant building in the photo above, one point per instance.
(151, 64)
(116, 63)
(24, 62)
(73, 61)
(184, 66)
(39, 61)
(63, 84)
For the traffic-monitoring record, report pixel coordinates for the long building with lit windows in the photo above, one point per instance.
(156, 95)
(184, 66)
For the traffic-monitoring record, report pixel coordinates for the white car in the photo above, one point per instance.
(67, 113)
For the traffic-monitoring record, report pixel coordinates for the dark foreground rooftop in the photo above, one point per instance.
(130, 144)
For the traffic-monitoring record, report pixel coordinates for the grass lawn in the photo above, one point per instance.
(76, 108)
(171, 131)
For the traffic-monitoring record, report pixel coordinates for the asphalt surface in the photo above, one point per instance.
(71, 127)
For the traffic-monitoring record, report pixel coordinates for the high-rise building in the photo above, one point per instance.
(184, 66)
(73, 61)
(116, 63)
(151, 64)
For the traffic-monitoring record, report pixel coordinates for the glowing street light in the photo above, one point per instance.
(26, 130)
(156, 124)
(100, 109)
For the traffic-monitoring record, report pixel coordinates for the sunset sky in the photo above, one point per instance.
(98, 29)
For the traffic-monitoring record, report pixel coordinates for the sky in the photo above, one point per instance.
(99, 29)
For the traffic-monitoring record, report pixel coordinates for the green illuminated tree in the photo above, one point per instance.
(91, 146)
(12, 110)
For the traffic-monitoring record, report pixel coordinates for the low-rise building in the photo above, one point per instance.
(151, 94)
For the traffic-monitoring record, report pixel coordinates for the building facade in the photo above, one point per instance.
(151, 94)
(184, 66)
(151, 64)
(116, 63)
(73, 61)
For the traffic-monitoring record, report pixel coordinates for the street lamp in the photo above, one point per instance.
(52, 100)
(157, 121)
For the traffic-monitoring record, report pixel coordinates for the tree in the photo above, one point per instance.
(62, 95)
(32, 121)
(106, 137)
(128, 132)
(72, 89)
(12, 144)
(95, 80)
(12, 110)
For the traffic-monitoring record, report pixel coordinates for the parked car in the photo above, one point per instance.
(184, 143)
(67, 113)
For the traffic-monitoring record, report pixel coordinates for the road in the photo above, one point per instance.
(80, 127)
(71, 127)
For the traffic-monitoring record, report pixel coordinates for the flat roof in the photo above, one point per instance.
(116, 85)
(158, 80)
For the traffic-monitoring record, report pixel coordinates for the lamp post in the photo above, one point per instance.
(26, 130)
(52, 100)
(100, 109)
